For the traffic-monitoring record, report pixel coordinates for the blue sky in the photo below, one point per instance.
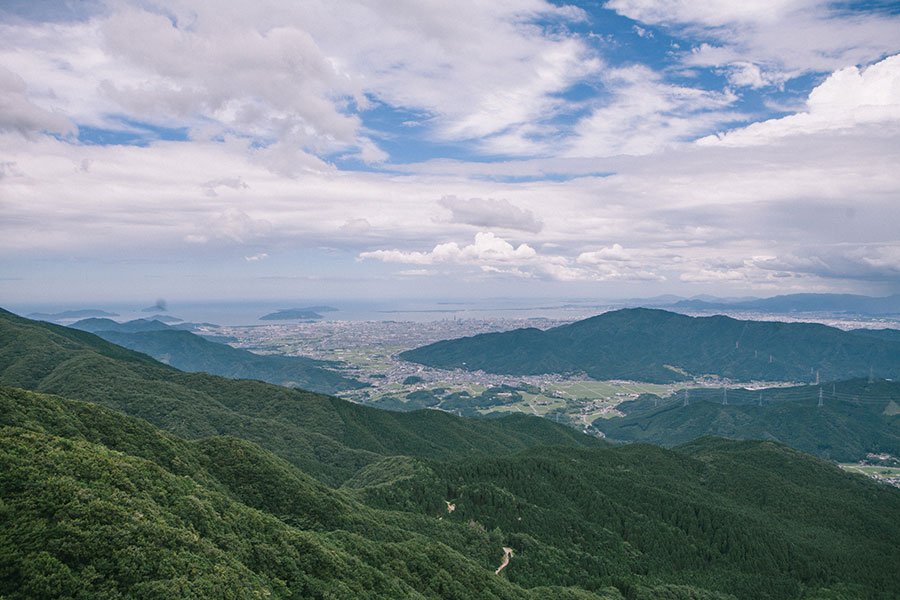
(199, 149)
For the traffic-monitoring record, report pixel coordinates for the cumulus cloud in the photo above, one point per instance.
(19, 114)
(487, 248)
(848, 98)
(256, 257)
(614, 253)
(492, 254)
(490, 213)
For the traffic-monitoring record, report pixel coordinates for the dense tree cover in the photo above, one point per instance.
(660, 346)
(856, 417)
(189, 352)
(95, 504)
(460, 403)
(327, 437)
(881, 334)
(98, 504)
(749, 519)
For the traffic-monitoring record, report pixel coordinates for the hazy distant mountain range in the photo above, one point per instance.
(830, 303)
(660, 346)
(189, 352)
(71, 314)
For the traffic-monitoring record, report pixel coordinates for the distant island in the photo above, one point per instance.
(71, 314)
(296, 314)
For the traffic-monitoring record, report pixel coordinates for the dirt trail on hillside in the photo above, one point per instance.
(507, 552)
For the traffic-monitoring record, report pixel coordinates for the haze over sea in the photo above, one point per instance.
(418, 310)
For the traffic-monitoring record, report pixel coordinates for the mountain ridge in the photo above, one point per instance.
(658, 346)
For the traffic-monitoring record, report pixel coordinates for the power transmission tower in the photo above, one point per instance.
(817, 377)
(760, 398)
(871, 377)
(687, 395)
(833, 392)
(724, 396)
(820, 397)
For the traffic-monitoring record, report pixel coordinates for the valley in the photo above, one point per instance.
(369, 352)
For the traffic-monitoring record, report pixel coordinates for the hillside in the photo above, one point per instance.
(98, 504)
(189, 352)
(752, 519)
(856, 417)
(659, 346)
(327, 437)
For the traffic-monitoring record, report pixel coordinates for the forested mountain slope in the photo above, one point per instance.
(98, 504)
(189, 352)
(856, 417)
(325, 436)
(659, 346)
(753, 519)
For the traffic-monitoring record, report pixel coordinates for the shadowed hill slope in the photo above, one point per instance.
(856, 417)
(189, 352)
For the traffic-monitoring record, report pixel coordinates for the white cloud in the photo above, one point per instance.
(234, 183)
(256, 257)
(768, 42)
(356, 227)
(415, 272)
(295, 75)
(18, 113)
(746, 74)
(711, 12)
(613, 253)
(487, 248)
(495, 255)
(848, 98)
(490, 213)
(647, 115)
